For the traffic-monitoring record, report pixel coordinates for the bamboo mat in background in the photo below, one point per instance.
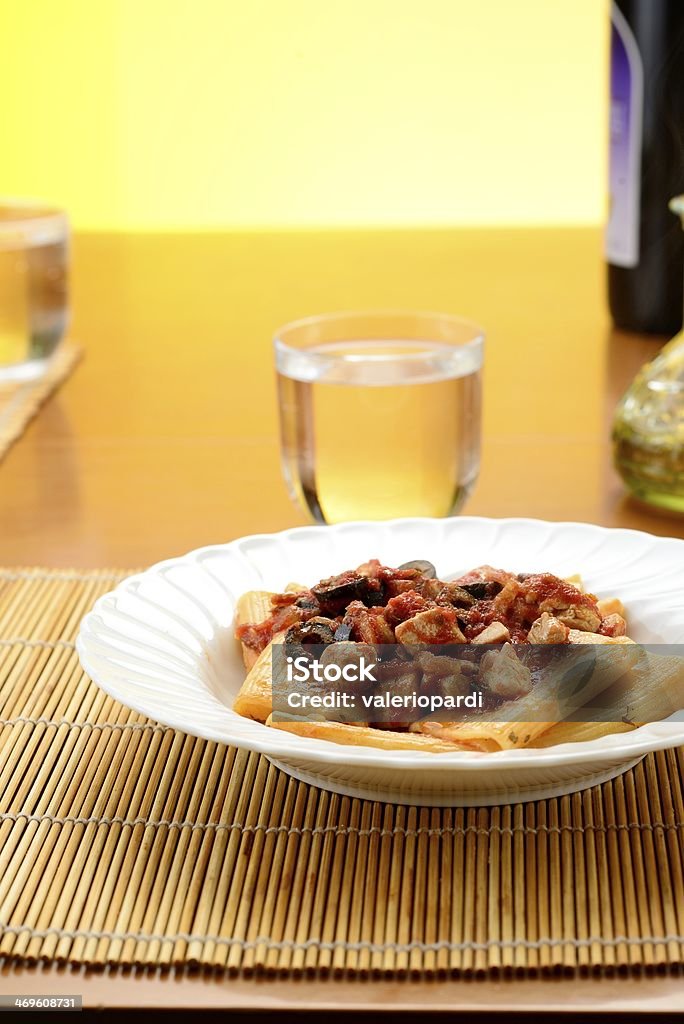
(21, 400)
(123, 842)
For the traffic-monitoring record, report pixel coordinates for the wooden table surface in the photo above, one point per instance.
(165, 439)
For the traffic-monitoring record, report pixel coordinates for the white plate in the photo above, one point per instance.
(162, 643)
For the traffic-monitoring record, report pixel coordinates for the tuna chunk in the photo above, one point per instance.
(494, 633)
(547, 629)
(504, 674)
(544, 592)
(368, 624)
(579, 617)
(614, 625)
(434, 626)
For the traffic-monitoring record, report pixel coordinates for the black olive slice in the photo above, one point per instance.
(336, 593)
(483, 590)
(316, 631)
(456, 596)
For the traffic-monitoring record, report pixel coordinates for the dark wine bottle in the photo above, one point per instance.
(644, 241)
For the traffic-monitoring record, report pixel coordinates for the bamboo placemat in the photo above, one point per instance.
(123, 842)
(21, 400)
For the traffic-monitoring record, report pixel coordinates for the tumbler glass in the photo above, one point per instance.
(33, 286)
(380, 413)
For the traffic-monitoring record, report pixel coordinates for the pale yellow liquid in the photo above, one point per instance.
(359, 451)
(33, 300)
(14, 307)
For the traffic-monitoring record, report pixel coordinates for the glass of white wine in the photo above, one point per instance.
(380, 413)
(34, 255)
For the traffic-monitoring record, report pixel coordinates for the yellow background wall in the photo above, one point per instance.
(166, 114)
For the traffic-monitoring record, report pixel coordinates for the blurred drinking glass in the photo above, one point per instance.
(33, 286)
(380, 413)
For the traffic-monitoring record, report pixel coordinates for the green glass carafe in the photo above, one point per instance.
(648, 432)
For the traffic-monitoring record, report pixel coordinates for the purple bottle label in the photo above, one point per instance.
(626, 103)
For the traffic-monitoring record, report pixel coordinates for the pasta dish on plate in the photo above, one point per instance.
(505, 624)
